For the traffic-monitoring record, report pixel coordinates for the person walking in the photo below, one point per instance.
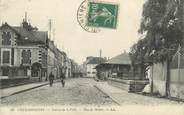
(62, 78)
(51, 79)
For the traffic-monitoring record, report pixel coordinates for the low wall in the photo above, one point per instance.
(5, 83)
(128, 85)
(177, 90)
(159, 87)
(177, 83)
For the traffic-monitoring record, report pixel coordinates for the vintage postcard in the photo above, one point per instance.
(92, 57)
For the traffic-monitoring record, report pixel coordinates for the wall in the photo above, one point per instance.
(91, 72)
(50, 62)
(68, 68)
(177, 83)
(158, 75)
(176, 79)
(18, 54)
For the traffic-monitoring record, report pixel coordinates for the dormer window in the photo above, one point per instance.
(26, 38)
(6, 38)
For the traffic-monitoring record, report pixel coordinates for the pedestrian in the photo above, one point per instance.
(51, 79)
(62, 78)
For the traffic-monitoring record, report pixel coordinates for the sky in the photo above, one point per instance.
(69, 36)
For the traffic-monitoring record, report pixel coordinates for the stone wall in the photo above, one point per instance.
(128, 85)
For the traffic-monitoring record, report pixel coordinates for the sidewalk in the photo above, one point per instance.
(18, 89)
(122, 97)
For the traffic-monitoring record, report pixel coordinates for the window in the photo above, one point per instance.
(26, 57)
(6, 57)
(5, 71)
(6, 38)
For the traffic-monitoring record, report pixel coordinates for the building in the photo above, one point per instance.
(120, 73)
(68, 67)
(23, 51)
(28, 55)
(75, 69)
(58, 62)
(117, 67)
(91, 63)
(51, 58)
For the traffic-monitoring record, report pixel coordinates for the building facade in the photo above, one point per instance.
(91, 63)
(27, 53)
(23, 51)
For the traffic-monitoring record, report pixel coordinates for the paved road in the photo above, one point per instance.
(76, 92)
(81, 91)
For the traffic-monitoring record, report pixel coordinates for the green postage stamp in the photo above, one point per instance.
(93, 15)
(102, 14)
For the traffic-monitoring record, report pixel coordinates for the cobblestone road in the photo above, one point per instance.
(76, 92)
(81, 91)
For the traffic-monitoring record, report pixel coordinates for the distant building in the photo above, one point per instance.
(68, 68)
(51, 59)
(117, 67)
(60, 62)
(119, 72)
(91, 63)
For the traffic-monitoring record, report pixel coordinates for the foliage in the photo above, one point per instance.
(162, 23)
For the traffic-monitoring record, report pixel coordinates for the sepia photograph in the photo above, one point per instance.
(92, 57)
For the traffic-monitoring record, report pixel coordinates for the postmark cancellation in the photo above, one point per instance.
(93, 15)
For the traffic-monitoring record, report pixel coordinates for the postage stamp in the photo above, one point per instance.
(102, 14)
(93, 15)
(82, 15)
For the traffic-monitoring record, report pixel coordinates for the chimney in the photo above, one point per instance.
(25, 23)
(25, 16)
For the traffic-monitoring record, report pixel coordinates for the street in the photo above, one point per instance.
(81, 91)
(76, 92)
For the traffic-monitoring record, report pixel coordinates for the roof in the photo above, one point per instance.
(28, 36)
(123, 59)
(32, 35)
(41, 35)
(96, 60)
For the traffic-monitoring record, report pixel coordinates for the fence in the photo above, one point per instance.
(176, 85)
(168, 79)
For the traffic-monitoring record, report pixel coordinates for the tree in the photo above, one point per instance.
(162, 23)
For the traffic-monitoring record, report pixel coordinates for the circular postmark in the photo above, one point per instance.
(82, 15)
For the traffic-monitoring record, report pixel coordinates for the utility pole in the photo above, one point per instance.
(100, 53)
(25, 16)
(50, 28)
(54, 34)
